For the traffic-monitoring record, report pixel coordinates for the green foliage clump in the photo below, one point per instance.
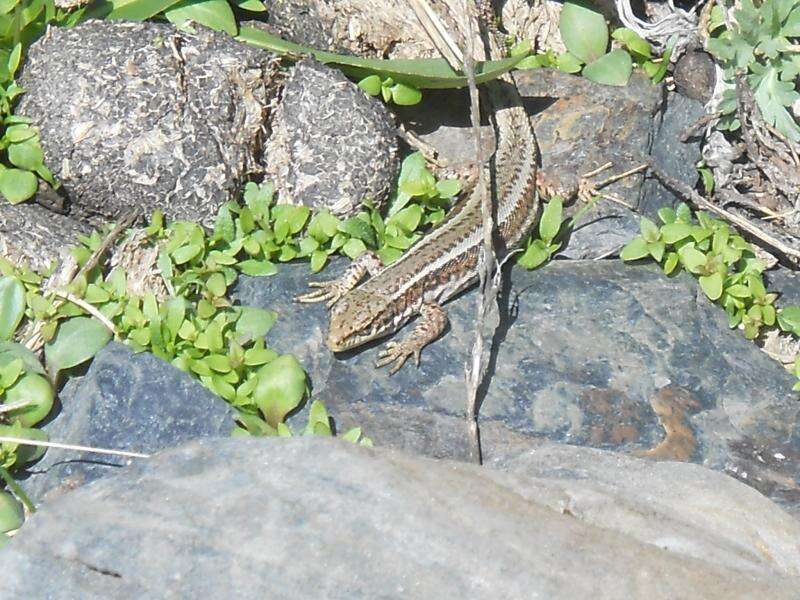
(265, 233)
(724, 263)
(761, 45)
(585, 34)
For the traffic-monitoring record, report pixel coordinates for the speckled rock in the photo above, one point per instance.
(126, 401)
(593, 353)
(31, 234)
(142, 115)
(331, 145)
(316, 518)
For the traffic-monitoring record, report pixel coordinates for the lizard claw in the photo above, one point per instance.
(398, 353)
(326, 290)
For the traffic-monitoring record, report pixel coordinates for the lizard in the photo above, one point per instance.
(448, 259)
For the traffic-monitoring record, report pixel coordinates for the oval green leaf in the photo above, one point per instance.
(280, 389)
(583, 30)
(76, 341)
(12, 514)
(12, 306)
(613, 68)
(17, 185)
(37, 393)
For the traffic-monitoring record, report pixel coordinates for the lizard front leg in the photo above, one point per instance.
(332, 290)
(433, 321)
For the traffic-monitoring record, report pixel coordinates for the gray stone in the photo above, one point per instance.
(126, 401)
(593, 353)
(312, 518)
(332, 146)
(143, 115)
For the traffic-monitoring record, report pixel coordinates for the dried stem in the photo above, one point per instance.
(488, 289)
(26, 442)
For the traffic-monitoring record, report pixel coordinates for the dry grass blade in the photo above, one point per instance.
(76, 448)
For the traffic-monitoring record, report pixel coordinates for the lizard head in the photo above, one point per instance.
(355, 320)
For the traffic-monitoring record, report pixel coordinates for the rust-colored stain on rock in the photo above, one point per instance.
(673, 406)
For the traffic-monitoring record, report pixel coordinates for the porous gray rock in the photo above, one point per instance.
(125, 401)
(332, 146)
(316, 518)
(30, 234)
(593, 353)
(141, 115)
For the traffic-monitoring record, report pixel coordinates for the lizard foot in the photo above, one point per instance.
(433, 321)
(326, 290)
(334, 289)
(398, 353)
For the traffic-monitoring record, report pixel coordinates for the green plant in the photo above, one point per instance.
(585, 34)
(723, 262)
(539, 250)
(761, 45)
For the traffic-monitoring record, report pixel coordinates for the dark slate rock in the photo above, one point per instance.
(126, 401)
(594, 353)
(143, 115)
(332, 145)
(786, 282)
(315, 518)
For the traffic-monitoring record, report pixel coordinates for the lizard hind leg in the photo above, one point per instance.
(332, 290)
(433, 321)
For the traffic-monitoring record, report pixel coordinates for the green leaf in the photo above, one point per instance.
(633, 42)
(550, 223)
(281, 386)
(12, 515)
(371, 85)
(675, 232)
(712, 285)
(255, 322)
(448, 188)
(352, 435)
(251, 5)
(37, 393)
(257, 268)
(425, 73)
(77, 340)
(26, 155)
(535, 255)
(359, 229)
(354, 248)
(789, 319)
(12, 306)
(568, 63)
(772, 96)
(10, 351)
(650, 231)
(318, 420)
(670, 263)
(409, 218)
(405, 95)
(613, 68)
(216, 284)
(17, 185)
(583, 30)
(635, 249)
(691, 258)
(415, 178)
(137, 10)
(656, 250)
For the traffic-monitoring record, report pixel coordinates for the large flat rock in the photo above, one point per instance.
(593, 353)
(315, 518)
